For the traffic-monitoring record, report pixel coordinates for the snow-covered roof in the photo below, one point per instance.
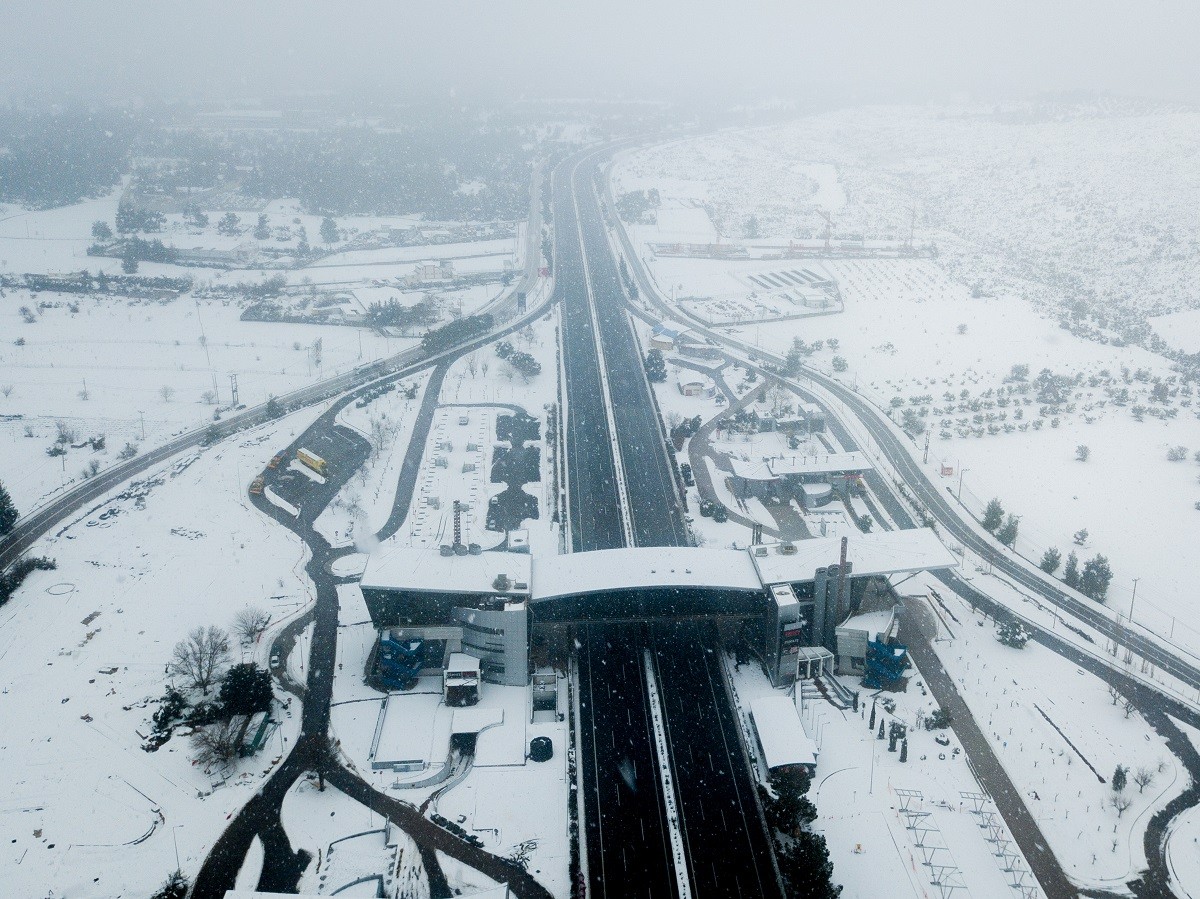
(780, 733)
(425, 568)
(821, 463)
(874, 623)
(645, 566)
(687, 376)
(884, 552)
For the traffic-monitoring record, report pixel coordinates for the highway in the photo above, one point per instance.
(622, 491)
(622, 803)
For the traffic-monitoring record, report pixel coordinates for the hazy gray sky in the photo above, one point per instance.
(642, 49)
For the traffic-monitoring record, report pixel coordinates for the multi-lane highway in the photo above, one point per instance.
(622, 492)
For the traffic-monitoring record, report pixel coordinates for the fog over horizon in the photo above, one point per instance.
(690, 52)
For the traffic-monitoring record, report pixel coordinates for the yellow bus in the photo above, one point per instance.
(312, 460)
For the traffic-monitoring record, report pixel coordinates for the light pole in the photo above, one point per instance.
(175, 838)
(142, 416)
(961, 472)
(1133, 599)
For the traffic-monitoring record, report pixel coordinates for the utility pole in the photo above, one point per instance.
(1133, 598)
(142, 416)
(961, 472)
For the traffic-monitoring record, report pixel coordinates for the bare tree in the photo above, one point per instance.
(217, 743)
(1114, 693)
(1120, 802)
(6, 390)
(250, 622)
(199, 659)
(472, 366)
(166, 392)
(209, 397)
(1143, 778)
(1129, 707)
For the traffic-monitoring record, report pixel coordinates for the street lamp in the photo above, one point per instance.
(1133, 598)
(961, 472)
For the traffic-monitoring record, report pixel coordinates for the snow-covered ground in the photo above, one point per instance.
(83, 651)
(1005, 689)
(142, 370)
(914, 333)
(859, 791)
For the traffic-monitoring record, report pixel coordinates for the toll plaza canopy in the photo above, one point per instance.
(637, 582)
(885, 552)
(645, 582)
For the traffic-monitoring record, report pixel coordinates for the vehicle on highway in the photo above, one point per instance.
(311, 459)
(257, 485)
(275, 460)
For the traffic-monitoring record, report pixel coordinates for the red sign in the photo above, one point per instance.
(947, 471)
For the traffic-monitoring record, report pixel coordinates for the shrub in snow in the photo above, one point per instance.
(939, 719)
(174, 887)
(1013, 633)
(1177, 454)
(1082, 453)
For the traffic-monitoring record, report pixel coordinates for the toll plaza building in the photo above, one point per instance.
(790, 597)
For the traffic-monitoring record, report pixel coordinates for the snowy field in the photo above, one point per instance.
(139, 371)
(921, 334)
(82, 655)
(1005, 688)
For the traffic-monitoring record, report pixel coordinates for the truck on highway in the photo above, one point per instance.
(311, 459)
(256, 486)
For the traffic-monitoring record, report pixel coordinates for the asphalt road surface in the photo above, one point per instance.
(714, 782)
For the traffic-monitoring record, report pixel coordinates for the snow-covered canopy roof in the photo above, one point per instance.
(884, 552)
(794, 463)
(780, 733)
(646, 566)
(425, 568)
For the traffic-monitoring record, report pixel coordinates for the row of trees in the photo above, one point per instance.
(522, 363)
(803, 855)
(1092, 581)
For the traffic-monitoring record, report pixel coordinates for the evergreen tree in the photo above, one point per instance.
(246, 689)
(1120, 778)
(329, 230)
(656, 368)
(1008, 533)
(8, 512)
(807, 870)
(1095, 579)
(1051, 559)
(1071, 572)
(752, 227)
(101, 231)
(129, 263)
(228, 225)
(274, 408)
(262, 230)
(993, 515)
